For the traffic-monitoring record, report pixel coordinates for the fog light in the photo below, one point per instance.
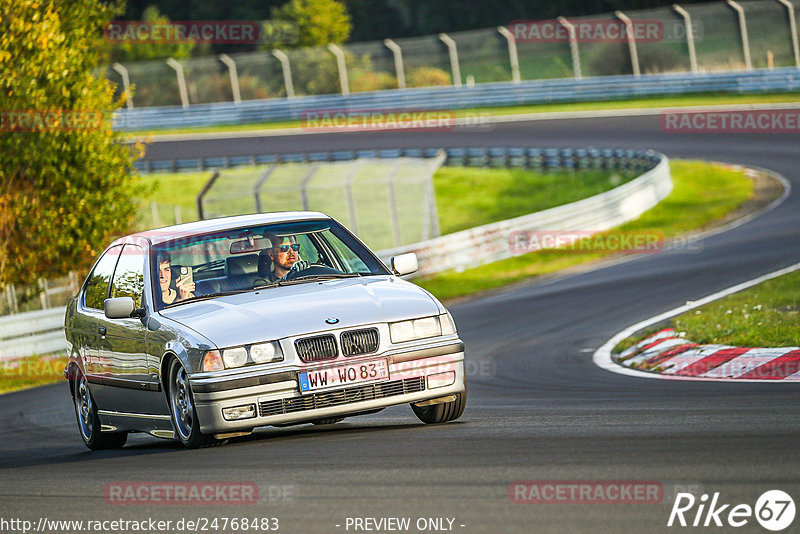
(239, 412)
(440, 380)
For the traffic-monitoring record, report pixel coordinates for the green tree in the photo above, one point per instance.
(66, 181)
(143, 51)
(318, 22)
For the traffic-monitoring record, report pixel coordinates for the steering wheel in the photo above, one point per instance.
(312, 270)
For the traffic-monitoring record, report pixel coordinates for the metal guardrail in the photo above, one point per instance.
(452, 98)
(41, 332)
(532, 158)
(31, 333)
(491, 242)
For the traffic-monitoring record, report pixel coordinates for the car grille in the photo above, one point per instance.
(318, 348)
(357, 342)
(339, 397)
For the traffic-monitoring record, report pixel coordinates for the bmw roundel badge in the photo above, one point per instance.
(331, 320)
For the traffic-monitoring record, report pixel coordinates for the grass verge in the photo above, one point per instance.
(703, 193)
(465, 196)
(704, 99)
(32, 371)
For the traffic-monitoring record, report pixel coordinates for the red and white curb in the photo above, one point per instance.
(677, 358)
(668, 353)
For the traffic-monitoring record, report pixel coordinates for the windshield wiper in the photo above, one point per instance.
(208, 296)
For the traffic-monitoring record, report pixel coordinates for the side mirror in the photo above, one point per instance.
(405, 264)
(119, 308)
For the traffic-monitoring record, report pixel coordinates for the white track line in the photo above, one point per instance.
(602, 356)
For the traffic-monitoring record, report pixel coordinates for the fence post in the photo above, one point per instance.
(453, 51)
(340, 61)
(393, 204)
(793, 30)
(743, 30)
(687, 22)
(399, 69)
(181, 81)
(573, 47)
(206, 189)
(286, 67)
(43, 296)
(234, 74)
(631, 41)
(512, 53)
(304, 186)
(351, 203)
(11, 296)
(154, 212)
(126, 84)
(260, 184)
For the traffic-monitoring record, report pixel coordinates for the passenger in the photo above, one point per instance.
(168, 295)
(285, 256)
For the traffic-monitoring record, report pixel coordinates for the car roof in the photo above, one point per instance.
(168, 233)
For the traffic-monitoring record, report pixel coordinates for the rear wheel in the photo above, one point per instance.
(443, 412)
(89, 421)
(184, 415)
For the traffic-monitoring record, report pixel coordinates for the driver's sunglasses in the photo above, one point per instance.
(293, 246)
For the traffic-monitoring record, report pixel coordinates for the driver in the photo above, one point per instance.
(285, 256)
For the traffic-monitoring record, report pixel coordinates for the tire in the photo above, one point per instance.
(89, 421)
(184, 415)
(327, 421)
(443, 412)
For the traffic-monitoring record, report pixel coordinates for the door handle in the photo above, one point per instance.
(102, 330)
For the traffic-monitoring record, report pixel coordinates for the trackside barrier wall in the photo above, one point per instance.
(452, 98)
(488, 243)
(36, 332)
(41, 332)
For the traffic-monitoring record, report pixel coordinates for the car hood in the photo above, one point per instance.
(280, 312)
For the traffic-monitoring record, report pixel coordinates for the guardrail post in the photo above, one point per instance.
(743, 29)
(340, 61)
(793, 30)
(234, 74)
(631, 41)
(687, 22)
(512, 53)
(126, 84)
(181, 81)
(399, 69)
(206, 189)
(286, 67)
(573, 47)
(453, 51)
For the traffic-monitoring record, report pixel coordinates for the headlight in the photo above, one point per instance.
(415, 329)
(234, 357)
(266, 352)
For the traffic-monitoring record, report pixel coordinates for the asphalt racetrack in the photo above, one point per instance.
(539, 409)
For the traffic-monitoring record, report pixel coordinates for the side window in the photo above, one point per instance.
(308, 251)
(352, 263)
(97, 287)
(129, 275)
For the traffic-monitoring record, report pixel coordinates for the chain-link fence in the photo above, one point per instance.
(697, 37)
(387, 203)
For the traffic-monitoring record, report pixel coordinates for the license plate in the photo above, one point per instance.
(344, 375)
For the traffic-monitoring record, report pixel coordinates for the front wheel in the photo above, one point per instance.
(443, 412)
(89, 421)
(184, 415)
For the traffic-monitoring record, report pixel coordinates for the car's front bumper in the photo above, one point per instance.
(418, 374)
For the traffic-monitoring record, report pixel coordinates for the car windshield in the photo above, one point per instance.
(201, 266)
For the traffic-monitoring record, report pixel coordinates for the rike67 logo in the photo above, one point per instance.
(774, 510)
